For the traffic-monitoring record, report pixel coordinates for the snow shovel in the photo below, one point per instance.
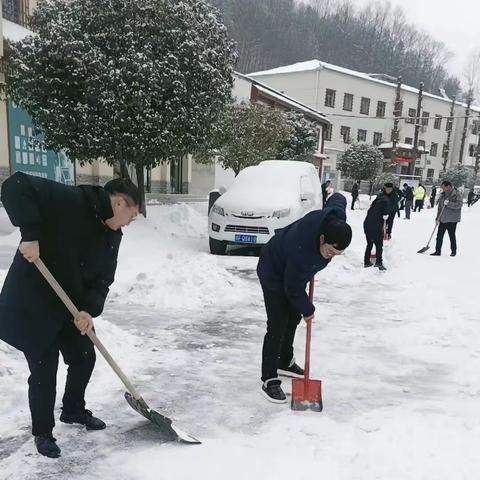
(133, 398)
(424, 249)
(307, 393)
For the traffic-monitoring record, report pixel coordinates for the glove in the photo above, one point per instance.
(385, 217)
(446, 202)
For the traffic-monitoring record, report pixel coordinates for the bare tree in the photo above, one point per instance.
(471, 75)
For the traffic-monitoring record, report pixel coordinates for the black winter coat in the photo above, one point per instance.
(355, 190)
(292, 257)
(75, 244)
(408, 194)
(374, 220)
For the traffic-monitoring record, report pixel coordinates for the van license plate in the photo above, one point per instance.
(246, 238)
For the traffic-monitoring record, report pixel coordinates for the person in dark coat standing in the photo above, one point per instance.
(76, 231)
(470, 198)
(433, 195)
(408, 195)
(394, 199)
(287, 262)
(374, 225)
(355, 193)
(325, 187)
(449, 214)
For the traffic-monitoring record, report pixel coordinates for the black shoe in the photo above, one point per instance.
(46, 446)
(273, 392)
(368, 264)
(453, 254)
(380, 266)
(293, 370)
(83, 418)
(435, 254)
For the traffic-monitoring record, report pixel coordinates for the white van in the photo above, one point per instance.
(261, 200)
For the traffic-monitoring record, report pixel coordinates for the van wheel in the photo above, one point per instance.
(217, 247)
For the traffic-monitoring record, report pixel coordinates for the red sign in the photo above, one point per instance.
(401, 158)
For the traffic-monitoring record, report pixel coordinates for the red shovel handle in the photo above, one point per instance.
(309, 335)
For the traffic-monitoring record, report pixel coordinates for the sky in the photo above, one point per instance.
(457, 24)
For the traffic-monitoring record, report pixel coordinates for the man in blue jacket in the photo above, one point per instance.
(288, 261)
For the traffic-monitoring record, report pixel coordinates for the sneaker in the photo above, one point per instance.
(83, 418)
(453, 254)
(435, 254)
(273, 392)
(46, 445)
(293, 370)
(368, 264)
(380, 266)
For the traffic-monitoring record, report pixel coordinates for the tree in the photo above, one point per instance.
(128, 81)
(361, 162)
(471, 76)
(249, 133)
(459, 176)
(302, 143)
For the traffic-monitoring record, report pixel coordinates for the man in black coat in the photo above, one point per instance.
(354, 193)
(325, 187)
(76, 231)
(288, 261)
(374, 225)
(408, 195)
(394, 199)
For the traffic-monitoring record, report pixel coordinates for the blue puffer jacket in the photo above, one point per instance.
(292, 257)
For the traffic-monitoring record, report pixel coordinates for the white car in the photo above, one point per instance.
(261, 200)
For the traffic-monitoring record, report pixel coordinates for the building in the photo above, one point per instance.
(245, 89)
(361, 106)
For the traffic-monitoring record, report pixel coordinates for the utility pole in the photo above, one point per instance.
(411, 167)
(476, 168)
(465, 125)
(446, 152)
(397, 113)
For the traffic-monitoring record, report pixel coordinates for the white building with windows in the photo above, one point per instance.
(360, 107)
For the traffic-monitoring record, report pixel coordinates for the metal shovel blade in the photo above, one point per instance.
(424, 249)
(165, 424)
(307, 395)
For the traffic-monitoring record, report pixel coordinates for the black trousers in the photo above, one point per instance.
(451, 228)
(374, 238)
(419, 205)
(282, 322)
(354, 199)
(79, 354)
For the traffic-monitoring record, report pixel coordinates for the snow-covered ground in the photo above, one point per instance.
(398, 353)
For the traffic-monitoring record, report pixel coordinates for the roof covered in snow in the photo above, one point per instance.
(285, 99)
(14, 32)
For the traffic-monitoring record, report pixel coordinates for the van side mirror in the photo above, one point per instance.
(307, 197)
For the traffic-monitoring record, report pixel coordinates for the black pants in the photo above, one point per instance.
(374, 238)
(451, 229)
(432, 202)
(391, 218)
(79, 354)
(419, 205)
(282, 321)
(354, 199)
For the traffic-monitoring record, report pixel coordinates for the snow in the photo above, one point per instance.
(13, 31)
(398, 354)
(319, 65)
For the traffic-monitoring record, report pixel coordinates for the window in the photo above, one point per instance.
(428, 162)
(434, 149)
(330, 98)
(328, 133)
(418, 172)
(445, 150)
(475, 127)
(425, 118)
(365, 106)
(412, 113)
(421, 144)
(377, 138)
(348, 102)
(449, 124)
(471, 150)
(409, 140)
(404, 170)
(438, 122)
(16, 11)
(362, 136)
(345, 134)
(398, 108)
(430, 173)
(381, 107)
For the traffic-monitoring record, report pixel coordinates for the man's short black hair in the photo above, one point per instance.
(338, 233)
(124, 187)
(446, 183)
(405, 184)
(388, 185)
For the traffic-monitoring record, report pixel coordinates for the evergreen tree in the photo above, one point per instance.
(361, 162)
(130, 81)
(459, 176)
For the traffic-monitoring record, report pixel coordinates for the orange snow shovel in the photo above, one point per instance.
(307, 393)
